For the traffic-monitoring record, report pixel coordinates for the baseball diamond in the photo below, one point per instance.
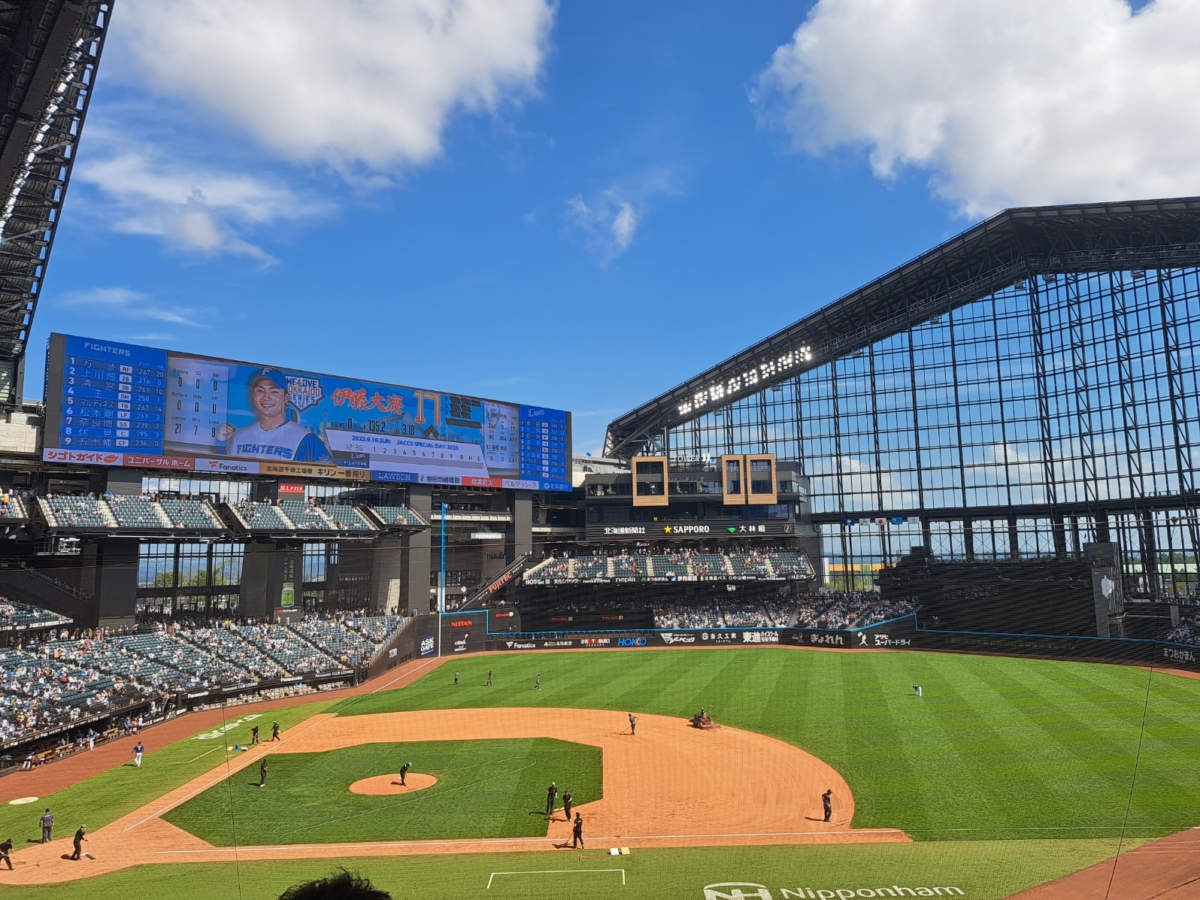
(884, 584)
(754, 783)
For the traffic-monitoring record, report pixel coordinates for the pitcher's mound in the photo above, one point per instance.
(387, 785)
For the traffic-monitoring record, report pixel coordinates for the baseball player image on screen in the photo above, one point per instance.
(275, 435)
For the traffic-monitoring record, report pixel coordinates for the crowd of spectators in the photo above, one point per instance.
(1186, 632)
(675, 563)
(14, 615)
(850, 609)
(833, 610)
(60, 675)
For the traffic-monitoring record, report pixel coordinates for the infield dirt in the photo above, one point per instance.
(669, 786)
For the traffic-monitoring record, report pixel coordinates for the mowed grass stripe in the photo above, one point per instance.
(1002, 748)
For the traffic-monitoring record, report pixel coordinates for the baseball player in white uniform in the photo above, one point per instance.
(274, 435)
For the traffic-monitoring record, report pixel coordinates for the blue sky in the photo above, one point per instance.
(577, 205)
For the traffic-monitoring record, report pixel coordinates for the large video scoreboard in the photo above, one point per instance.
(126, 405)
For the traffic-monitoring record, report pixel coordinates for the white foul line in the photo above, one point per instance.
(554, 872)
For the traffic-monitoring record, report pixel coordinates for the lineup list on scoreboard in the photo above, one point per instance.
(143, 407)
(113, 397)
(544, 444)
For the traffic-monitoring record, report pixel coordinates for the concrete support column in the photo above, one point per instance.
(969, 538)
(387, 566)
(416, 556)
(1058, 532)
(266, 568)
(116, 581)
(519, 533)
(1014, 539)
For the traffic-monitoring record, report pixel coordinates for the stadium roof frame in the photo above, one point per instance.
(49, 54)
(1006, 249)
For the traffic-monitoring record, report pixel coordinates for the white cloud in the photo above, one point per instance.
(609, 221)
(129, 304)
(1003, 102)
(191, 206)
(361, 86)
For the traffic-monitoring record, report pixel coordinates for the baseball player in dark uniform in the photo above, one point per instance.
(456, 678)
(551, 796)
(80, 840)
(577, 832)
(404, 773)
(489, 683)
(262, 772)
(275, 731)
(827, 803)
(568, 801)
(6, 852)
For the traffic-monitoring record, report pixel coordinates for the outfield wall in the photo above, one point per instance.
(897, 634)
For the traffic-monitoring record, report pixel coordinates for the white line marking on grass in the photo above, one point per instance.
(205, 753)
(555, 872)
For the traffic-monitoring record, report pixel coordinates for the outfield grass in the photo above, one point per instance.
(488, 789)
(108, 796)
(1039, 754)
(997, 748)
(983, 870)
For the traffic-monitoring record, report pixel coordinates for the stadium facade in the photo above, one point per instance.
(1022, 390)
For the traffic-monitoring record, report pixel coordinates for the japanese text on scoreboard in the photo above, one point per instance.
(127, 405)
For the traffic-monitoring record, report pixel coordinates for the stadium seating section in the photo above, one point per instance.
(134, 514)
(21, 615)
(259, 516)
(346, 517)
(733, 565)
(826, 610)
(77, 512)
(70, 678)
(12, 508)
(190, 515)
(138, 514)
(397, 515)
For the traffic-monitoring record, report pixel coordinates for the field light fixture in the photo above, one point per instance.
(746, 380)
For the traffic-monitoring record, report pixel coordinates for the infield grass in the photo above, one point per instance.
(996, 748)
(488, 789)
